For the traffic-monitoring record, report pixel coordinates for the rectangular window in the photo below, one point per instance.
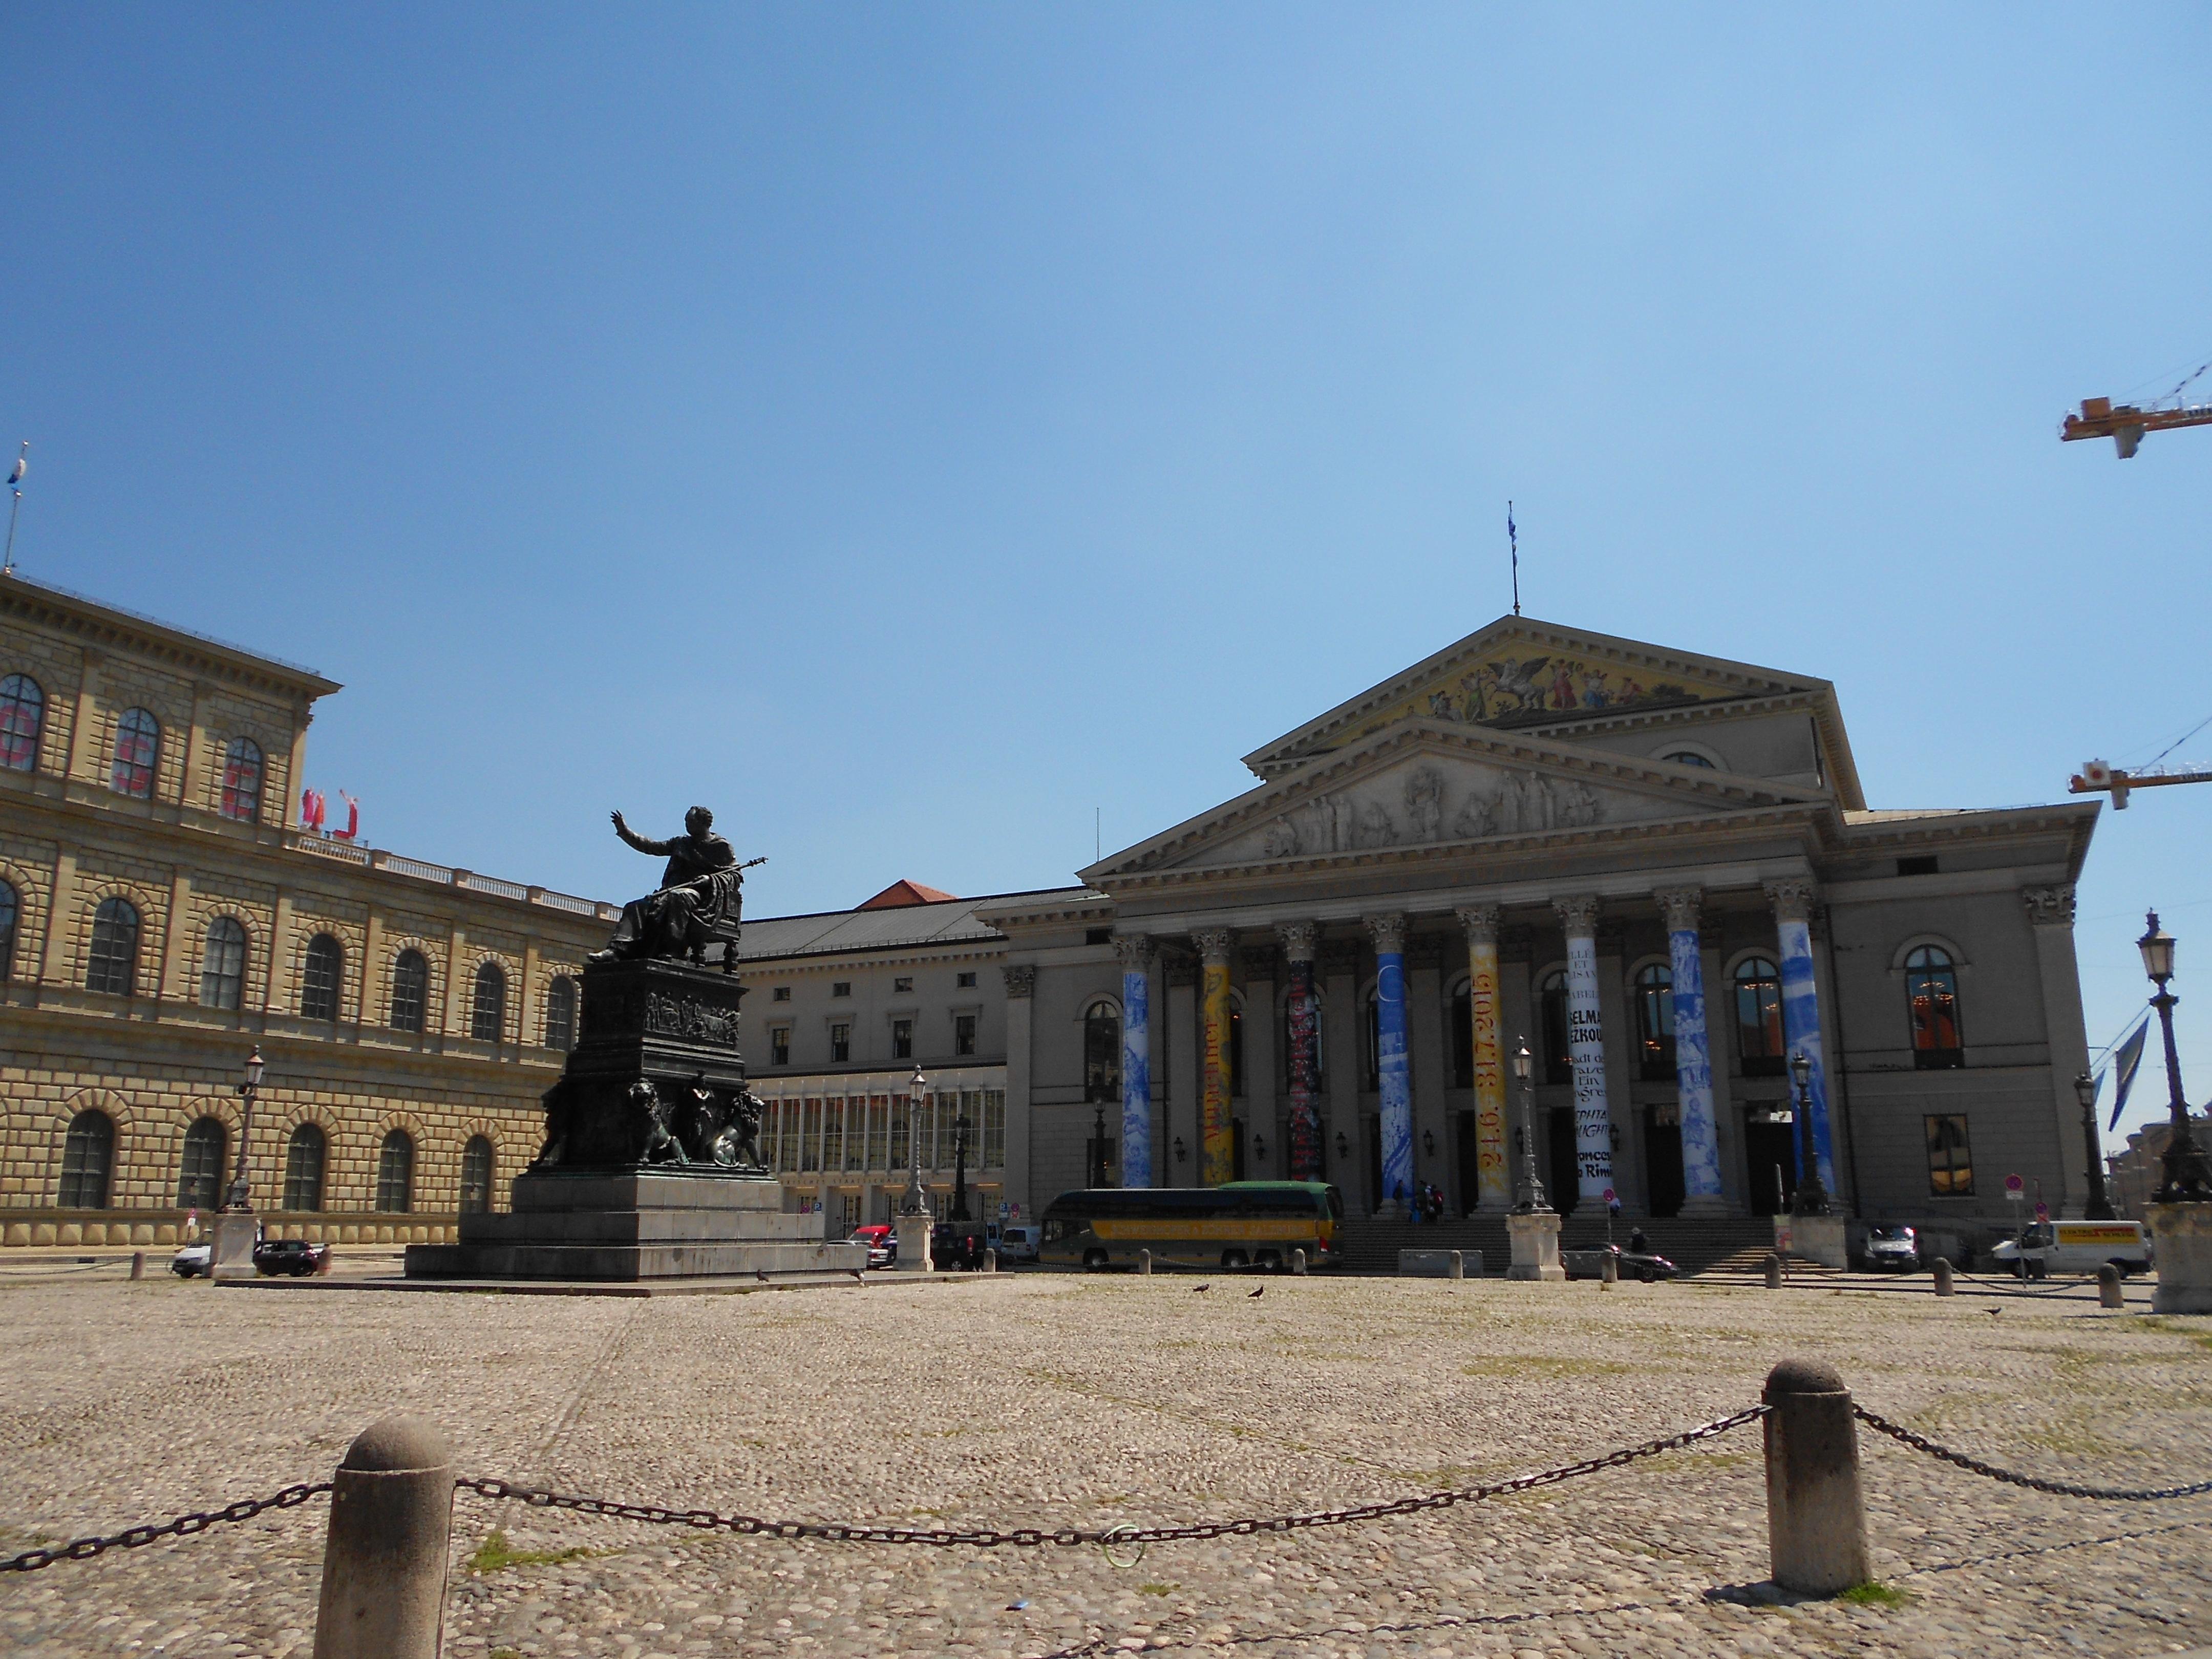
(786, 1147)
(1922, 866)
(810, 1137)
(779, 1045)
(879, 1149)
(903, 982)
(902, 1039)
(1950, 1160)
(964, 1034)
(841, 1044)
(965, 982)
(900, 1106)
(995, 1128)
(840, 987)
(1098, 936)
(782, 993)
(833, 1135)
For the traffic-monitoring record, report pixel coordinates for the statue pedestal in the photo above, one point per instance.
(231, 1252)
(2182, 1233)
(1535, 1236)
(914, 1229)
(1818, 1239)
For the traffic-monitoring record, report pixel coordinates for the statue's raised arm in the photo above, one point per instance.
(698, 903)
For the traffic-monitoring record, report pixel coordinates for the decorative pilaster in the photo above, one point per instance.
(1693, 1066)
(1021, 980)
(1492, 1189)
(1394, 1081)
(1299, 940)
(1801, 1009)
(2050, 906)
(1217, 1143)
(2050, 919)
(1136, 953)
(1586, 1050)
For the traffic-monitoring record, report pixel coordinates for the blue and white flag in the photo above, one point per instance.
(2127, 1061)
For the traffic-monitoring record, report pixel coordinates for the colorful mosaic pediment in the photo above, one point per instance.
(1529, 686)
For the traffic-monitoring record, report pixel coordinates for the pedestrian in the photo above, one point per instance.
(1637, 1242)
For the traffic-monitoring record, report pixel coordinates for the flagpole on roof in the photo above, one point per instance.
(15, 488)
(1513, 541)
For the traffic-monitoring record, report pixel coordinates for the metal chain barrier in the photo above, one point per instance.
(1116, 1537)
(184, 1526)
(1920, 1442)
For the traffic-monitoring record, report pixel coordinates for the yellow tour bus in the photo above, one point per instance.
(1242, 1224)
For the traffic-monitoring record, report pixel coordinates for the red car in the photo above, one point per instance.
(882, 1242)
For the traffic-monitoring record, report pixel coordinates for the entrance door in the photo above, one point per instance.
(1373, 1126)
(1770, 1151)
(1564, 1187)
(1470, 1177)
(1662, 1163)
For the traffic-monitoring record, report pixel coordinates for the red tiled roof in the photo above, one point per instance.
(903, 892)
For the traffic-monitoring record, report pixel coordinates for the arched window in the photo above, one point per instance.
(199, 1178)
(489, 1018)
(242, 780)
(22, 718)
(561, 1013)
(1655, 1021)
(1102, 1051)
(395, 1173)
(138, 752)
(411, 989)
(320, 978)
(222, 965)
(1931, 991)
(303, 1168)
(1558, 1058)
(113, 965)
(1686, 758)
(1462, 1034)
(87, 1155)
(1759, 1016)
(11, 909)
(476, 1176)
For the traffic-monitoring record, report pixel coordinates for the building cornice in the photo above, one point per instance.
(94, 623)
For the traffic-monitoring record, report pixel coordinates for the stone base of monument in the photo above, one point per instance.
(1818, 1239)
(1535, 1238)
(2183, 1236)
(231, 1252)
(637, 1224)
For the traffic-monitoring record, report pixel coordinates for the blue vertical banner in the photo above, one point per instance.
(1394, 1081)
(1800, 1034)
(1693, 1062)
(1136, 1062)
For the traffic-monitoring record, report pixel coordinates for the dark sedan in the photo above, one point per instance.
(295, 1256)
(1642, 1265)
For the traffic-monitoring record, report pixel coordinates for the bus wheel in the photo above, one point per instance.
(1094, 1261)
(1268, 1261)
(1231, 1260)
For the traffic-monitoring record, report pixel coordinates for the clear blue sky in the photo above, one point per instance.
(908, 429)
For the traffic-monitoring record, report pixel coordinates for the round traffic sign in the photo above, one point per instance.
(1609, 1198)
(2043, 1213)
(2014, 1187)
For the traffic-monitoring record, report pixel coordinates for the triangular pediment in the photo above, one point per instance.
(1519, 673)
(1420, 785)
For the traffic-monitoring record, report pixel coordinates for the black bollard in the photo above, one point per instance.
(384, 1563)
(1815, 1514)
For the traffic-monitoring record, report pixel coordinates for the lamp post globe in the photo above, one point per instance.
(1812, 1198)
(2187, 1174)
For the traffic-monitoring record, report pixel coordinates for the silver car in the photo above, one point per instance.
(1891, 1249)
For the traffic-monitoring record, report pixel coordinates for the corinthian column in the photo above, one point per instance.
(1492, 1189)
(1586, 1051)
(1217, 1160)
(1298, 940)
(1393, 1080)
(1136, 953)
(1694, 1064)
(1801, 1009)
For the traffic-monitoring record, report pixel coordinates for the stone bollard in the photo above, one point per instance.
(1144, 1261)
(1774, 1270)
(1608, 1271)
(1943, 1271)
(384, 1565)
(990, 1261)
(1815, 1514)
(1298, 1261)
(1458, 1264)
(137, 1264)
(2108, 1287)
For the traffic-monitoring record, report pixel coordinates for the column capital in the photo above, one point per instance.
(1388, 932)
(1792, 899)
(1480, 921)
(1021, 980)
(1299, 939)
(1680, 906)
(1579, 912)
(1136, 952)
(2050, 906)
(1214, 945)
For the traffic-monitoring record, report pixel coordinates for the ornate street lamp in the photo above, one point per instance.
(960, 1168)
(240, 1196)
(1532, 1190)
(2188, 1177)
(1812, 1197)
(916, 1201)
(1095, 1174)
(2100, 1208)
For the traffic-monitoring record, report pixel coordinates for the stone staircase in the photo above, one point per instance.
(1727, 1247)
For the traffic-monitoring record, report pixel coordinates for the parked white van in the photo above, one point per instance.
(1017, 1243)
(2078, 1247)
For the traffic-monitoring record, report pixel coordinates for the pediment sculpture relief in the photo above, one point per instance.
(1489, 804)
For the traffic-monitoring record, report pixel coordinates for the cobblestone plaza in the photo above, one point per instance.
(1034, 1399)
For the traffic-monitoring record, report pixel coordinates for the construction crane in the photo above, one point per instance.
(2095, 778)
(2125, 424)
